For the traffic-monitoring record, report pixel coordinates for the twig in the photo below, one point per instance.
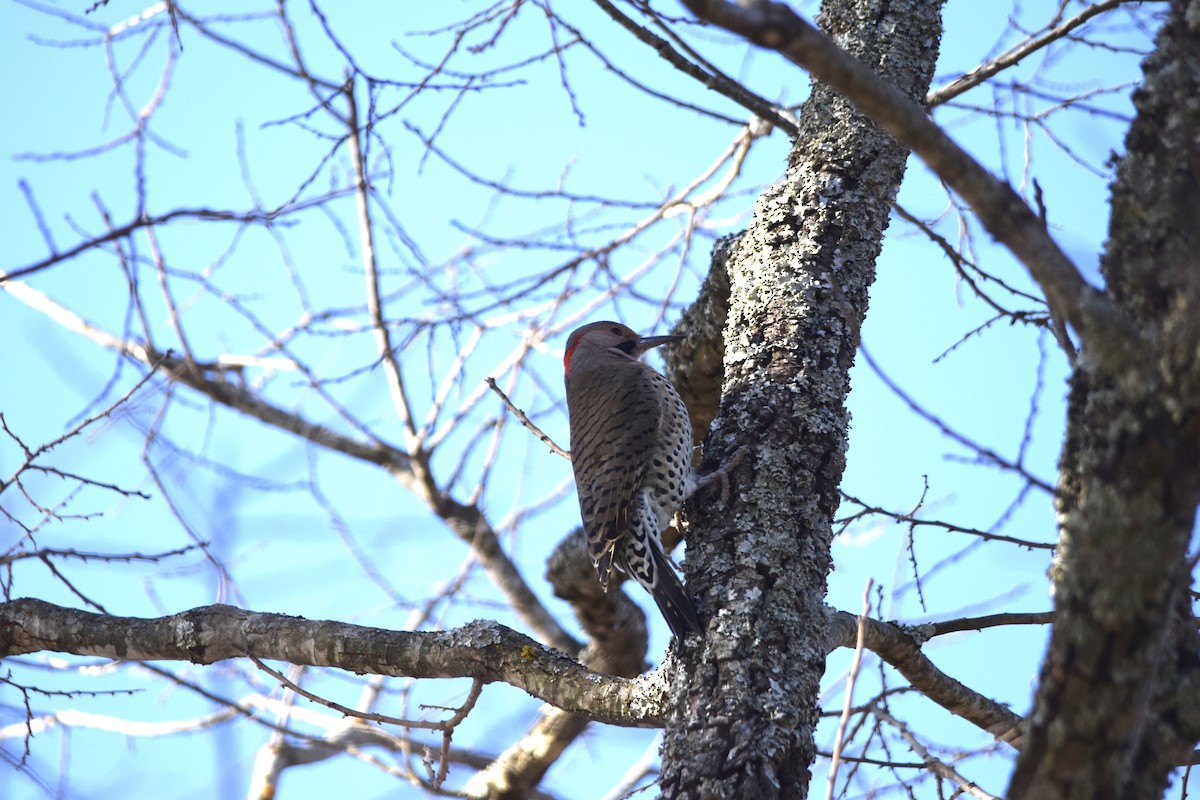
(628, 785)
(867, 508)
(1014, 55)
(97, 556)
(33, 455)
(983, 452)
(840, 737)
(1071, 299)
(366, 236)
(709, 77)
(447, 726)
(338, 707)
(524, 420)
(934, 765)
(989, 621)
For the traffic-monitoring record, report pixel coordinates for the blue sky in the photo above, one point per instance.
(282, 546)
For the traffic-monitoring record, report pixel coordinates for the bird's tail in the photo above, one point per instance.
(672, 599)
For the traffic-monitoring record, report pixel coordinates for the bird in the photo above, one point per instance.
(631, 451)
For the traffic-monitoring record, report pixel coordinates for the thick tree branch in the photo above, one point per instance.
(483, 650)
(1117, 690)
(743, 699)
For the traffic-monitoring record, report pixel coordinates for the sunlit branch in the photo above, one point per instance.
(524, 420)
(366, 243)
(466, 520)
(1015, 54)
(343, 737)
(483, 650)
(453, 377)
(839, 737)
(73, 718)
(638, 771)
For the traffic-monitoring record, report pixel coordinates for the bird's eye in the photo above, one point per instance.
(615, 330)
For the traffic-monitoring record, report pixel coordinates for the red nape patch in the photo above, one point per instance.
(567, 357)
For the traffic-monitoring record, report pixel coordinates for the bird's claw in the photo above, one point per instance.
(721, 473)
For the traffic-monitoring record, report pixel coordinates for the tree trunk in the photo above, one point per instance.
(1118, 704)
(744, 702)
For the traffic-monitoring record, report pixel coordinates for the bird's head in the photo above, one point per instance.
(598, 337)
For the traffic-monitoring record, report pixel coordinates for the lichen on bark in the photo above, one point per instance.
(1117, 706)
(744, 700)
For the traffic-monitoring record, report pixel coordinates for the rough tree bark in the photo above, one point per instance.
(743, 701)
(1118, 703)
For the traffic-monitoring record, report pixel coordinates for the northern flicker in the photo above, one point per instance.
(631, 448)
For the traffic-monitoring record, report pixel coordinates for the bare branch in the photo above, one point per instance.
(485, 651)
(706, 74)
(152, 221)
(911, 520)
(465, 519)
(32, 455)
(366, 243)
(839, 737)
(440, 725)
(1015, 54)
(526, 423)
(990, 621)
(902, 651)
(73, 718)
(985, 453)
(1005, 215)
(933, 764)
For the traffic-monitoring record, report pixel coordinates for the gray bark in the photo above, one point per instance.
(743, 702)
(485, 651)
(1118, 703)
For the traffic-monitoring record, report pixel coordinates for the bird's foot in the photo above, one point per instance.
(721, 473)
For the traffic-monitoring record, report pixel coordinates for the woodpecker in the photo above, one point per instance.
(631, 449)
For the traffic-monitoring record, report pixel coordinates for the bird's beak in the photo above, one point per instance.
(650, 342)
